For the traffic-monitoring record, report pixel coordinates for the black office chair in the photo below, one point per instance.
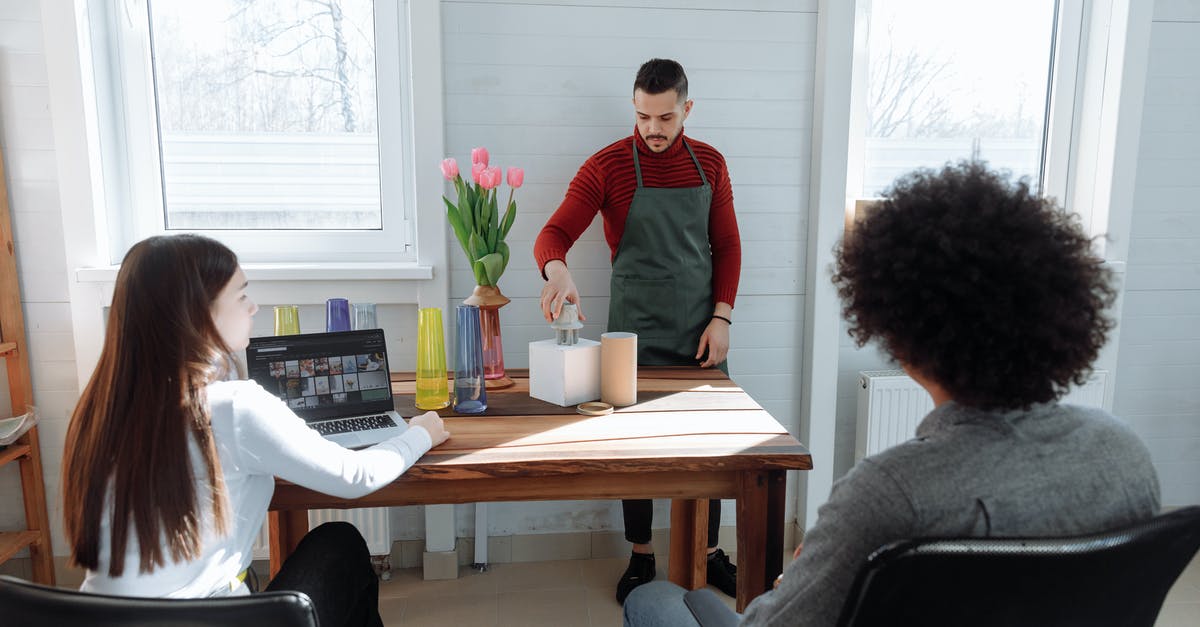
(25, 603)
(1117, 577)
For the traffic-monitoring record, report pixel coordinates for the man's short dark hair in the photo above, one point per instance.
(978, 284)
(659, 75)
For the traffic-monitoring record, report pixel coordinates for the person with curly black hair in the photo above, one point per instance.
(992, 299)
(983, 287)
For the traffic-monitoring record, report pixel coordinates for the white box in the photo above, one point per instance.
(564, 375)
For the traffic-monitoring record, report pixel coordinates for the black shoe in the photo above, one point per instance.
(722, 575)
(640, 571)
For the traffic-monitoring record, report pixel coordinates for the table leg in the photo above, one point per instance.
(286, 529)
(689, 541)
(760, 504)
(776, 493)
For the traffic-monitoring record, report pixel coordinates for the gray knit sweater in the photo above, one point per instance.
(1055, 470)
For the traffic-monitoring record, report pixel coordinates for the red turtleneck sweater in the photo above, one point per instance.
(606, 183)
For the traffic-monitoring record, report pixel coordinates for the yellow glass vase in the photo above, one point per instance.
(287, 320)
(433, 390)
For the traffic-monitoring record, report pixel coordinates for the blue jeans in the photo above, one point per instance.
(658, 604)
(333, 567)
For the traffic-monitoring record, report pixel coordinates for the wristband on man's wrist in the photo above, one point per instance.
(727, 320)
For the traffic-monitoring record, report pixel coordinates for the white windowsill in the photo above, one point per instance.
(346, 271)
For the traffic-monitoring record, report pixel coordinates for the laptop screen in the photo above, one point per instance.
(324, 375)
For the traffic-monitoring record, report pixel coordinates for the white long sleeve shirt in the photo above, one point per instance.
(258, 438)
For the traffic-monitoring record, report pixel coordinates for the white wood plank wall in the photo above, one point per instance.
(27, 139)
(544, 85)
(1158, 377)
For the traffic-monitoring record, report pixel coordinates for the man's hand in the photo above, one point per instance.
(559, 288)
(716, 339)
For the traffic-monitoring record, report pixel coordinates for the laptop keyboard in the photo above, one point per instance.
(358, 423)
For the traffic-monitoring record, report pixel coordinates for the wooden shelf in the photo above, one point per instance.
(26, 450)
(14, 451)
(13, 541)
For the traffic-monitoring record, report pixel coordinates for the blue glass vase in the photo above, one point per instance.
(337, 315)
(470, 392)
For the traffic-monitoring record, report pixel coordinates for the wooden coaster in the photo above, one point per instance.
(594, 408)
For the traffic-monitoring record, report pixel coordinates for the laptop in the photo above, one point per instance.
(337, 382)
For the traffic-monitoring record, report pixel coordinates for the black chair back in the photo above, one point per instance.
(1114, 578)
(25, 603)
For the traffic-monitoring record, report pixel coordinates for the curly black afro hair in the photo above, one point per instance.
(977, 284)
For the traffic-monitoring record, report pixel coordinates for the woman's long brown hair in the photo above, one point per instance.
(130, 431)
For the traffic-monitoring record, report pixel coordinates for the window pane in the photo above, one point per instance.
(948, 80)
(267, 113)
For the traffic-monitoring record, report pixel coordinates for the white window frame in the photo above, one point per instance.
(130, 159)
(1061, 127)
(1090, 166)
(84, 197)
(1066, 102)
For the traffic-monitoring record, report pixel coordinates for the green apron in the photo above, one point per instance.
(661, 286)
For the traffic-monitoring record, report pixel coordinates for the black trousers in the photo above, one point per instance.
(333, 567)
(639, 513)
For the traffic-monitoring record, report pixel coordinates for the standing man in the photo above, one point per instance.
(669, 222)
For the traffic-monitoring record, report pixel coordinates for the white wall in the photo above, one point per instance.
(545, 85)
(27, 139)
(1158, 377)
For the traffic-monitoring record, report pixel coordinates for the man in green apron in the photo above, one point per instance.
(669, 222)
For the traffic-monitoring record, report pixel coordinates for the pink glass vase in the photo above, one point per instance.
(493, 347)
(489, 300)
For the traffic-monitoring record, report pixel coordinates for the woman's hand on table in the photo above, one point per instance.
(432, 424)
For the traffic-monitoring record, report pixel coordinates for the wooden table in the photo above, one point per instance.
(692, 436)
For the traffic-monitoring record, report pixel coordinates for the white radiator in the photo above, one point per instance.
(372, 522)
(891, 405)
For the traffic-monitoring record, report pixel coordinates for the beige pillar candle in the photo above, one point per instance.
(618, 368)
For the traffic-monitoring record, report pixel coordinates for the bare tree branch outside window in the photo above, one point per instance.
(947, 80)
(917, 92)
(281, 66)
(267, 113)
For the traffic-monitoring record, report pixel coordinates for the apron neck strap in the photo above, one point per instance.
(703, 179)
(637, 165)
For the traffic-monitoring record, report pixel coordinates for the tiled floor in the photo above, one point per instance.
(580, 593)
(576, 593)
(1182, 606)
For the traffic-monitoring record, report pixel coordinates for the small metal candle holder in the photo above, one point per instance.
(567, 325)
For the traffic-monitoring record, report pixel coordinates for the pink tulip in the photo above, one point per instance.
(449, 168)
(489, 178)
(479, 155)
(516, 176)
(476, 170)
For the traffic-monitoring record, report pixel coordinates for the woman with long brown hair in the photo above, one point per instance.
(169, 466)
